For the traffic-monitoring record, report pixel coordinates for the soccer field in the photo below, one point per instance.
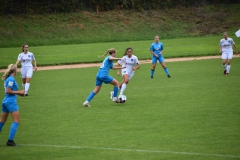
(85, 53)
(193, 115)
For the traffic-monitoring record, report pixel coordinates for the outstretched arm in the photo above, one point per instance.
(17, 62)
(113, 58)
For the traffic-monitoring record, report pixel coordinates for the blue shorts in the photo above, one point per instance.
(155, 59)
(103, 78)
(9, 107)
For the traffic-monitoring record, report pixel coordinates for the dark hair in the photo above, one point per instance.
(24, 46)
(127, 50)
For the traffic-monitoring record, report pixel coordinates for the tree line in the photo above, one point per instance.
(13, 7)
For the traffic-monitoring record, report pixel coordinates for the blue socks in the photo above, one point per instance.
(152, 72)
(13, 130)
(1, 125)
(166, 71)
(115, 90)
(90, 97)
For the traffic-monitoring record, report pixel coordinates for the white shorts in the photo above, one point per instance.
(26, 72)
(227, 55)
(129, 73)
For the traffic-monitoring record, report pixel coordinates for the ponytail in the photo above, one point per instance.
(110, 51)
(11, 68)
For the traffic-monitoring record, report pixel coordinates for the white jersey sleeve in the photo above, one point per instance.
(136, 60)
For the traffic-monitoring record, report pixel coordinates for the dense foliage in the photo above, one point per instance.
(58, 6)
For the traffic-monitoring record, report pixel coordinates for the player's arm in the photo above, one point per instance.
(137, 67)
(35, 64)
(162, 52)
(17, 62)
(236, 50)
(162, 49)
(220, 49)
(152, 52)
(116, 68)
(10, 91)
(118, 71)
(113, 58)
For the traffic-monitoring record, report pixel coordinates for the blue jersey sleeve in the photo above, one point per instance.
(10, 83)
(151, 48)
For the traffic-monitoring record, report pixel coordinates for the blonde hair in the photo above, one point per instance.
(11, 68)
(109, 51)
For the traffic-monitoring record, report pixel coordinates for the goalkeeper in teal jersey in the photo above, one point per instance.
(103, 77)
(156, 50)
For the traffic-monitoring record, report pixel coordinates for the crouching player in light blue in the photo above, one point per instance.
(102, 76)
(9, 103)
(156, 50)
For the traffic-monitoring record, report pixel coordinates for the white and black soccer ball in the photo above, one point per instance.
(122, 98)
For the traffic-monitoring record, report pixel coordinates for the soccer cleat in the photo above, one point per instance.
(86, 104)
(26, 94)
(169, 76)
(151, 76)
(111, 94)
(10, 143)
(225, 72)
(115, 100)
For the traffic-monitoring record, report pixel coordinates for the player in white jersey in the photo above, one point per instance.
(225, 48)
(26, 59)
(131, 63)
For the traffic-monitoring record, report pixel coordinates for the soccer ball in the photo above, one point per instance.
(122, 98)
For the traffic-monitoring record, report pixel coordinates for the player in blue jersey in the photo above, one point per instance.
(157, 50)
(9, 103)
(102, 76)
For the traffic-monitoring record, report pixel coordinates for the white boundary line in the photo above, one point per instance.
(129, 150)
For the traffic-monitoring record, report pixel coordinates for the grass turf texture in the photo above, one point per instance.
(117, 26)
(86, 53)
(193, 115)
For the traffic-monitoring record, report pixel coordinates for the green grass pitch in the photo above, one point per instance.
(193, 115)
(86, 53)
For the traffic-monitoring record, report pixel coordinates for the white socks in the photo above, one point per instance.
(27, 85)
(224, 66)
(23, 86)
(228, 68)
(124, 86)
